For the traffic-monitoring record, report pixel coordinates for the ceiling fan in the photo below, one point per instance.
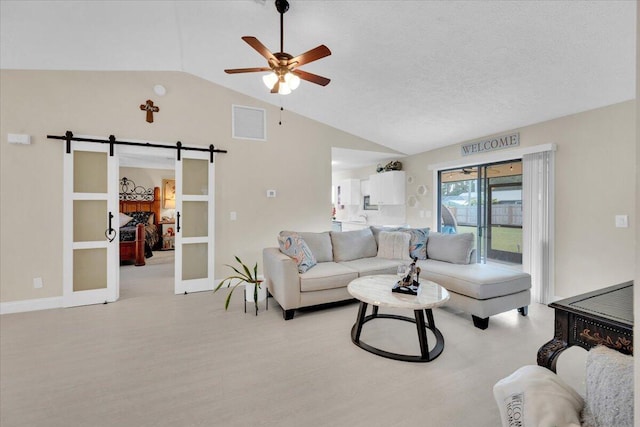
(284, 74)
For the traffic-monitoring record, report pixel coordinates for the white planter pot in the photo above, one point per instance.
(262, 292)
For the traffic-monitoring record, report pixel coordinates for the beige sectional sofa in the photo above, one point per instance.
(479, 289)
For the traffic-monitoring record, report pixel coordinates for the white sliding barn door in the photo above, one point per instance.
(195, 222)
(90, 260)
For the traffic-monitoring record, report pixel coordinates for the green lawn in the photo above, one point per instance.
(503, 238)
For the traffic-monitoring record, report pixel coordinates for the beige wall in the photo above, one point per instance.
(296, 161)
(595, 175)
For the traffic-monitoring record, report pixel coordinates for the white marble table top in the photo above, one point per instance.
(376, 290)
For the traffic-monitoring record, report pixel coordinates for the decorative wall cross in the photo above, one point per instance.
(150, 109)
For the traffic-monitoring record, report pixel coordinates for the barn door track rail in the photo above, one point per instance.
(68, 136)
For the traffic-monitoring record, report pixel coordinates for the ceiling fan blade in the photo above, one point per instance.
(247, 70)
(260, 48)
(310, 56)
(313, 78)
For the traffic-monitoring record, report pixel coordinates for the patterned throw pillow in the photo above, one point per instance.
(295, 247)
(124, 219)
(418, 242)
(139, 217)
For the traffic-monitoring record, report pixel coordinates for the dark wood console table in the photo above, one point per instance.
(602, 317)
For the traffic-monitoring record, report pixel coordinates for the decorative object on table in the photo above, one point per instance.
(245, 276)
(410, 283)
(150, 109)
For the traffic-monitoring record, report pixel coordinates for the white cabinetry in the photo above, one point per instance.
(387, 188)
(349, 192)
(351, 226)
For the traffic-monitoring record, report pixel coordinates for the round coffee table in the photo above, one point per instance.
(376, 290)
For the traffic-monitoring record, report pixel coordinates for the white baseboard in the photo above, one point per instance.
(30, 305)
(56, 302)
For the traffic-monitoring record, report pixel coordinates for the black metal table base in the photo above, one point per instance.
(421, 326)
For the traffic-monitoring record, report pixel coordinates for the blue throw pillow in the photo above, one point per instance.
(418, 242)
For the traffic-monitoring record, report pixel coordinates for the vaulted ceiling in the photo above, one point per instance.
(410, 75)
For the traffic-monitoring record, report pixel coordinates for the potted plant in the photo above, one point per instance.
(243, 275)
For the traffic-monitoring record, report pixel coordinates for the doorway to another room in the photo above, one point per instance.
(155, 275)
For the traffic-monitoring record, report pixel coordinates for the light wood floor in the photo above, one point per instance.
(157, 359)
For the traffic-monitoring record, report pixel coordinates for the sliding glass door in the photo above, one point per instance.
(485, 200)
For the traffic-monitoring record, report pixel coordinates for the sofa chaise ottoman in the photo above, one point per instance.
(309, 269)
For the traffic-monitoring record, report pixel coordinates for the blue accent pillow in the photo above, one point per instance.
(295, 247)
(418, 242)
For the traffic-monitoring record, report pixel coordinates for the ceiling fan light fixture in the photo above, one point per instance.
(270, 79)
(281, 78)
(284, 89)
(292, 80)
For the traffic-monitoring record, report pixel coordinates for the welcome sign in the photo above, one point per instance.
(497, 143)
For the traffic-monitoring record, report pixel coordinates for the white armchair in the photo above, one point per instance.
(534, 396)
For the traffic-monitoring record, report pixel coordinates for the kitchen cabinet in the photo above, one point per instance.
(351, 226)
(387, 188)
(349, 192)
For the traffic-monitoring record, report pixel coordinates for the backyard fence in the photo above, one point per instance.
(501, 214)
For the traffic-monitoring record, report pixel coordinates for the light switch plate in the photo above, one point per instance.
(622, 221)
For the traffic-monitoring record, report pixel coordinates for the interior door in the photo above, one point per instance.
(90, 225)
(195, 222)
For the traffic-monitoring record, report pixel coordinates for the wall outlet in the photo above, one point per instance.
(233, 216)
(37, 282)
(622, 221)
(271, 193)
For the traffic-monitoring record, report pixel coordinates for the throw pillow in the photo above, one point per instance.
(350, 245)
(453, 248)
(418, 242)
(393, 245)
(376, 231)
(140, 218)
(124, 219)
(609, 388)
(534, 396)
(319, 244)
(295, 247)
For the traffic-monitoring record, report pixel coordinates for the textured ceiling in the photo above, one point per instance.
(410, 75)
